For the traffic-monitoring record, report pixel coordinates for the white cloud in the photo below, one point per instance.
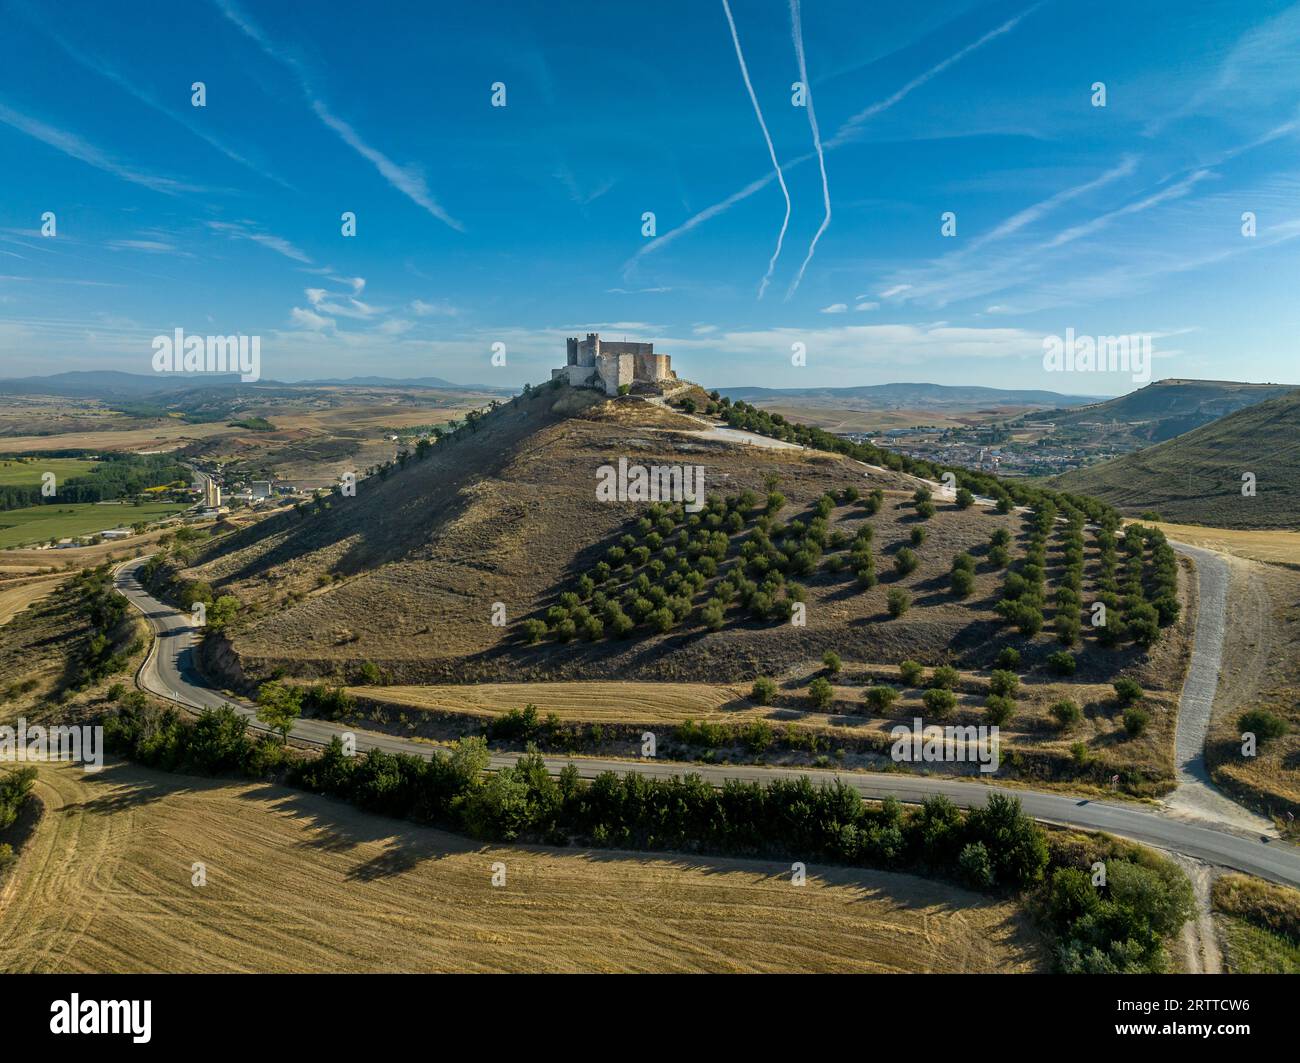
(310, 320)
(834, 308)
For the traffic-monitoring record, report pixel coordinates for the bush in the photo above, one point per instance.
(1264, 725)
(1008, 657)
(534, 631)
(905, 562)
(939, 702)
(881, 697)
(975, 867)
(821, 693)
(999, 709)
(763, 691)
(918, 536)
(370, 675)
(1062, 663)
(1066, 713)
(945, 677)
(964, 498)
(898, 602)
(925, 510)
(832, 661)
(1136, 720)
(963, 583)
(1004, 682)
(910, 672)
(1127, 691)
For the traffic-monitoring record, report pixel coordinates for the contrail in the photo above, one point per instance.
(758, 111)
(797, 27)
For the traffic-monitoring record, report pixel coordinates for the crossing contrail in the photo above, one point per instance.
(796, 26)
(758, 111)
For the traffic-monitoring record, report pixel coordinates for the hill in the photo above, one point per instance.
(910, 396)
(490, 558)
(1197, 477)
(1159, 411)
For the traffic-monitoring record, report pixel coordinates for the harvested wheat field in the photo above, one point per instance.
(1275, 546)
(301, 883)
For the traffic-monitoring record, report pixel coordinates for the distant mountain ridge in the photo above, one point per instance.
(1197, 477)
(915, 395)
(1168, 408)
(113, 383)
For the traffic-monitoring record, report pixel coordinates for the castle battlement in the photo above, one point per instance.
(609, 364)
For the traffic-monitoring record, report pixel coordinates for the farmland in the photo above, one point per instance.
(296, 882)
(35, 524)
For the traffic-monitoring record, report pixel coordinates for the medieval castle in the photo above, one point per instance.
(610, 365)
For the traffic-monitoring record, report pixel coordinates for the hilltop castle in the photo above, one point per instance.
(609, 365)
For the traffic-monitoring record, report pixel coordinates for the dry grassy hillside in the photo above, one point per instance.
(405, 575)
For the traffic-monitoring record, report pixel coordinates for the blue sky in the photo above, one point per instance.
(522, 224)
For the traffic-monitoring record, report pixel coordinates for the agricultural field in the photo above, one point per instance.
(28, 472)
(1275, 546)
(296, 882)
(35, 524)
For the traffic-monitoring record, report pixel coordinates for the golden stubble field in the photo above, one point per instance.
(301, 883)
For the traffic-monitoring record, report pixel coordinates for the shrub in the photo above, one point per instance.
(1004, 682)
(945, 676)
(939, 702)
(925, 510)
(963, 583)
(1008, 657)
(974, 866)
(964, 498)
(370, 675)
(898, 602)
(1066, 713)
(918, 536)
(832, 661)
(910, 672)
(881, 697)
(1127, 691)
(534, 631)
(999, 709)
(763, 691)
(905, 561)
(1136, 720)
(1062, 663)
(821, 693)
(1264, 725)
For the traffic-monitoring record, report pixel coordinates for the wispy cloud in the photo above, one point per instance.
(851, 127)
(275, 243)
(847, 132)
(99, 65)
(74, 146)
(406, 179)
(767, 139)
(796, 29)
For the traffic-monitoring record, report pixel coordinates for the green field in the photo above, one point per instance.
(37, 524)
(28, 473)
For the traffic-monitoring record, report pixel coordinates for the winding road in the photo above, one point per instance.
(169, 672)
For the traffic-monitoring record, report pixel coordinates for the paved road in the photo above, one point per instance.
(169, 672)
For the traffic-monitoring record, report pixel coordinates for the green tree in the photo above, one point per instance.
(278, 706)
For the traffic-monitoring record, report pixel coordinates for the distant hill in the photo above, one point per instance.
(1196, 477)
(110, 383)
(1164, 409)
(912, 396)
(113, 384)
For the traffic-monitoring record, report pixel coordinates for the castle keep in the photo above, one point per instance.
(594, 363)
